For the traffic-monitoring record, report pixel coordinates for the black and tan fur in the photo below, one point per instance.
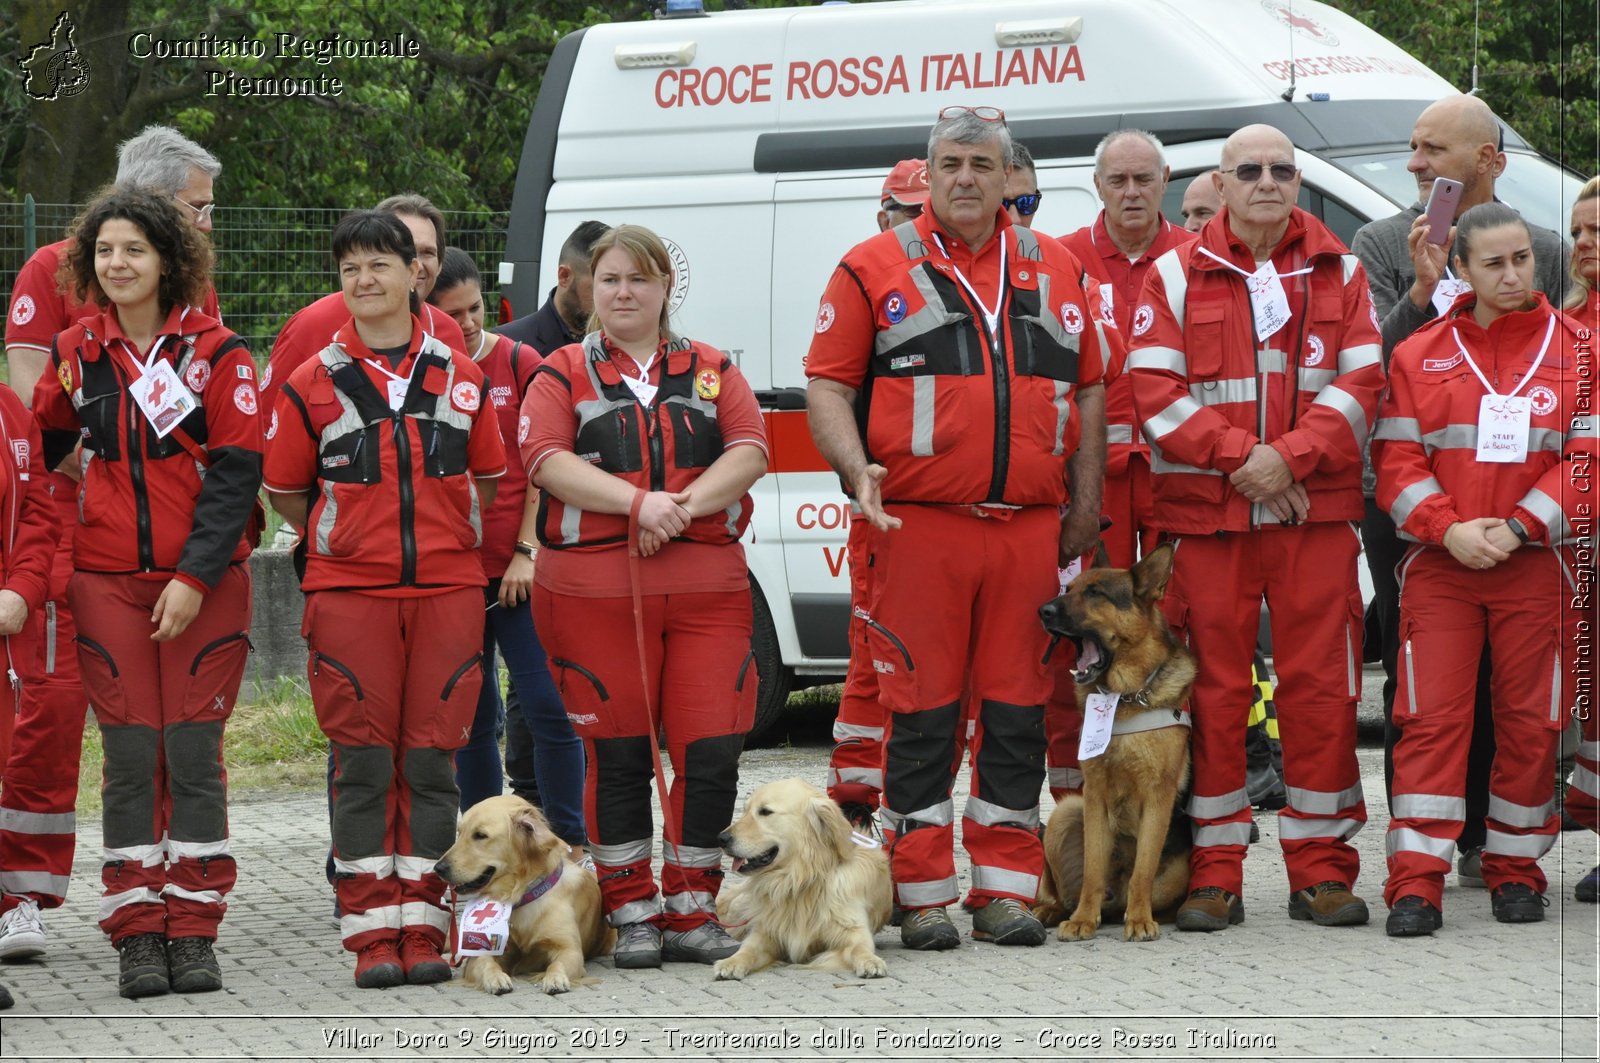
(1112, 845)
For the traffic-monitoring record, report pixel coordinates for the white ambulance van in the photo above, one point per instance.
(756, 143)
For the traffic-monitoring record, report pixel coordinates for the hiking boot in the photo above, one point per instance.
(420, 959)
(638, 945)
(1265, 788)
(5, 998)
(1588, 888)
(928, 930)
(143, 971)
(706, 943)
(1328, 904)
(1518, 902)
(1210, 908)
(1006, 921)
(1411, 916)
(1255, 831)
(192, 966)
(21, 933)
(378, 966)
(1469, 868)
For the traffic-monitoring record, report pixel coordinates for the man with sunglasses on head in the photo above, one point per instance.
(38, 828)
(1118, 248)
(1256, 369)
(955, 387)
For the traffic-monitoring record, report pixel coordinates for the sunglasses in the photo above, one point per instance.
(987, 114)
(913, 210)
(200, 213)
(1250, 172)
(1026, 205)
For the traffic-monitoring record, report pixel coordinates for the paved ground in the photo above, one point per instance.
(1268, 989)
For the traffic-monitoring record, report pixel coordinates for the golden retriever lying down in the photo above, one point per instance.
(505, 850)
(806, 893)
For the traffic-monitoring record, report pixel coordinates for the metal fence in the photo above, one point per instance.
(270, 261)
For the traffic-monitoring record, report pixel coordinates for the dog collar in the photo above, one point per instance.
(1149, 720)
(540, 888)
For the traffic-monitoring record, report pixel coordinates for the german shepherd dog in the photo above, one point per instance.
(1113, 844)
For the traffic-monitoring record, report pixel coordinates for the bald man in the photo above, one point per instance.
(1457, 137)
(1256, 407)
(1201, 202)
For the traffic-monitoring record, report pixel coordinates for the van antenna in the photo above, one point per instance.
(1477, 8)
(1288, 93)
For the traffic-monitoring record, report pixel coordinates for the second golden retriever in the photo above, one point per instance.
(807, 893)
(506, 851)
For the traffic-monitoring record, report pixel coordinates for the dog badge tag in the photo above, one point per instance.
(1503, 422)
(1099, 712)
(485, 928)
(1066, 575)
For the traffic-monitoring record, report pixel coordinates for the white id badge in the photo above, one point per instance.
(1503, 428)
(1269, 303)
(485, 928)
(162, 397)
(1446, 291)
(397, 392)
(642, 390)
(1099, 711)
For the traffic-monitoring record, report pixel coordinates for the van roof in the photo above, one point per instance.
(737, 90)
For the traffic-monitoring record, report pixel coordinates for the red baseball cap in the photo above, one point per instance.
(907, 183)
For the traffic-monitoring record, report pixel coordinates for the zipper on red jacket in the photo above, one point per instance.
(1002, 400)
(658, 473)
(141, 495)
(408, 503)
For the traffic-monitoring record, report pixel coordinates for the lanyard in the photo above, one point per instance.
(144, 364)
(380, 367)
(483, 338)
(1550, 330)
(1246, 273)
(990, 317)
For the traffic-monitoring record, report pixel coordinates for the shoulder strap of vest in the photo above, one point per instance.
(910, 240)
(348, 377)
(1027, 242)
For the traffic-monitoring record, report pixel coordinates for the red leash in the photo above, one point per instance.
(653, 724)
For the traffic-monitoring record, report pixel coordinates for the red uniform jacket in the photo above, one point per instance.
(28, 531)
(1206, 392)
(397, 512)
(957, 413)
(1122, 282)
(506, 377)
(311, 329)
(1425, 446)
(149, 505)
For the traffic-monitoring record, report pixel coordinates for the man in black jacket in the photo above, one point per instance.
(564, 317)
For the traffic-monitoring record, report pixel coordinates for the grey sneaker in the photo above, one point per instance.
(1006, 921)
(1469, 869)
(928, 930)
(638, 945)
(706, 943)
(21, 933)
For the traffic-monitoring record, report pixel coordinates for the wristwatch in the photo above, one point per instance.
(1518, 530)
(526, 549)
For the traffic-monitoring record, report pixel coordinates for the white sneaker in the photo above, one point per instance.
(22, 934)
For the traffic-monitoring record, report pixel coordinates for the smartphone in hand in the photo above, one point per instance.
(1441, 210)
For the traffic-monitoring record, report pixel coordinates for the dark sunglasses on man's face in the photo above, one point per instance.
(1026, 205)
(913, 210)
(1250, 172)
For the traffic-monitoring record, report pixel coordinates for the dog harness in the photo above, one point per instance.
(1149, 720)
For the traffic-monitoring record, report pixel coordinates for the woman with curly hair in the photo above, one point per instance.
(164, 401)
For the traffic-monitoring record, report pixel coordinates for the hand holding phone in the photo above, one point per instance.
(1441, 210)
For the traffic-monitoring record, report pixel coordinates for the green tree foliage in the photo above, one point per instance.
(1536, 61)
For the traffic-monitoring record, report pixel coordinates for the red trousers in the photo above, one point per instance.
(1128, 502)
(162, 707)
(38, 802)
(855, 768)
(1446, 610)
(395, 683)
(1308, 573)
(703, 684)
(954, 617)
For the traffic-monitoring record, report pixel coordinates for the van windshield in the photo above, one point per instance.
(1537, 188)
